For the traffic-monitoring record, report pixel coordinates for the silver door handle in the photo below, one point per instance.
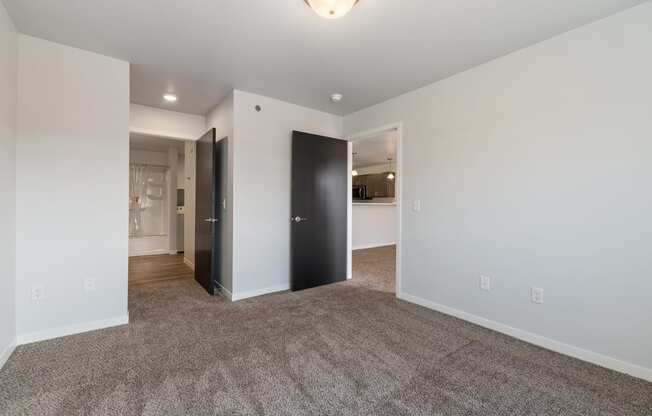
(211, 220)
(299, 219)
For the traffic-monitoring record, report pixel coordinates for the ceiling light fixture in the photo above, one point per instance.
(390, 175)
(331, 9)
(355, 171)
(170, 98)
(336, 98)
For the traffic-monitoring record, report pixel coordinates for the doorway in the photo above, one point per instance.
(157, 197)
(375, 208)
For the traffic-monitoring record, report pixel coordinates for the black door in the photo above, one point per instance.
(209, 212)
(319, 210)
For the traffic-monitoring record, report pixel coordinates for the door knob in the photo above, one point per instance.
(211, 220)
(299, 219)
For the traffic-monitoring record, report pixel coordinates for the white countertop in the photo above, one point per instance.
(384, 204)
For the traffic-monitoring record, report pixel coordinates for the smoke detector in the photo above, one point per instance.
(336, 98)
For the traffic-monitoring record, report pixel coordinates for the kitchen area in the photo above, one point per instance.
(374, 179)
(374, 186)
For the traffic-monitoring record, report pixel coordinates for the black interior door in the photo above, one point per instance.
(319, 210)
(205, 211)
(220, 178)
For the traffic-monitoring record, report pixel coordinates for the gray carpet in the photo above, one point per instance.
(343, 349)
(375, 268)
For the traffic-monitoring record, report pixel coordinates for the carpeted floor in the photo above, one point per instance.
(375, 268)
(343, 349)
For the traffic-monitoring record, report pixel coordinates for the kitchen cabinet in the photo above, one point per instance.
(378, 186)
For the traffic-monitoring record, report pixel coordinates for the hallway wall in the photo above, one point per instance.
(8, 82)
(72, 161)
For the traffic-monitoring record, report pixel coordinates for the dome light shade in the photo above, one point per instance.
(331, 9)
(390, 175)
(354, 173)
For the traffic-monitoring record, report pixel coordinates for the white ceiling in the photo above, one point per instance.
(374, 150)
(140, 141)
(201, 49)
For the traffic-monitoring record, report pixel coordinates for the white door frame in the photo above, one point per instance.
(398, 127)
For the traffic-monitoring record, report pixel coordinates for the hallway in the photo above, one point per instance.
(375, 268)
(152, 269)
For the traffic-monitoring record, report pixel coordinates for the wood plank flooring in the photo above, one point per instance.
(151, 269)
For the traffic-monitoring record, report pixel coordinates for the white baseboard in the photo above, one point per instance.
(375, 245)
(225, 292)
(173, 252)
(6, 353)
(538, 340)
(189, 263)
(260, 292)
(64, 331)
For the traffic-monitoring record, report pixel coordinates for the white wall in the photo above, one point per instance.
(148, 157)
(369, 170)
(8, 81)
(165, 123)
(181, 171)
(189, 204)
(373, 225)
(72, 186)
(261, 255)
(221, 118)
(173, 164)
(535, 169)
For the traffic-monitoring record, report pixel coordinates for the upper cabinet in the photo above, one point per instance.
(378, 186)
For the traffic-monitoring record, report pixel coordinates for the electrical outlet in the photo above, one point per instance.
(416, 205)
(89, 284)
(38, 292)
(485, 283)
(537, 295)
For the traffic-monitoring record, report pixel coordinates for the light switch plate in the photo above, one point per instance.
(485, 283)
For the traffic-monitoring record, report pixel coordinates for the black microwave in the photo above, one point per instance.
(360, 192)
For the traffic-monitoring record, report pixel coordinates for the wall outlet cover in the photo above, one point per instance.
(537, 295)
(89, 284)
(38, 292)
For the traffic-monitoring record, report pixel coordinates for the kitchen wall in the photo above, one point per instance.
(534, 169)
(8, 82)
(373, 225)
(262, 162)
(369, 170)
(72, 158)
(375, 222)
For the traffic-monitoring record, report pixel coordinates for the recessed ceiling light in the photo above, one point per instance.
(170, 98)
(331, 9)
(336, 98)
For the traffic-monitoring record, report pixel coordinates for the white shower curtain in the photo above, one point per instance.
(138, 178)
